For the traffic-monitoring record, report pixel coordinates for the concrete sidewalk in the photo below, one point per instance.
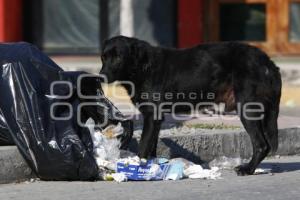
(198, 145)
(283, 183)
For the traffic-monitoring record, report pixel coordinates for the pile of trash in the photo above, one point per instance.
(43, 110)
(121, 165)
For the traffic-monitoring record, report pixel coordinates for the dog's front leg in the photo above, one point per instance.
(148, 142)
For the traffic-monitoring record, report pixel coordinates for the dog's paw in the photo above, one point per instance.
(243, 170)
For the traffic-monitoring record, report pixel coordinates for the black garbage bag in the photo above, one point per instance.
(5, 138)
(43, 110)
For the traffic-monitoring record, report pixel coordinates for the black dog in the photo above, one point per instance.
(238, 75)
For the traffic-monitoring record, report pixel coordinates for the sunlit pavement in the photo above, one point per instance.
(283, 183)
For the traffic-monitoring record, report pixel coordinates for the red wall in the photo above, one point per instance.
(190, 22)
(10, 20)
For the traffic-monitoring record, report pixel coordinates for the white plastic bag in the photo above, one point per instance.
(105, 143)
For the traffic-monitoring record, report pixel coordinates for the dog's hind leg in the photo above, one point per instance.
(270, 120)
(254, 126)
(271, 128)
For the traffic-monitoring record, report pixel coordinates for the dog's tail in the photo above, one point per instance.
(272, 109)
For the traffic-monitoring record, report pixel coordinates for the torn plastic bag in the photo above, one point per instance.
(49, 137)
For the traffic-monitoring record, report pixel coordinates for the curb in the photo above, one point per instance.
(208, 146)
(205, 147)
(13, 166)
(196, 147)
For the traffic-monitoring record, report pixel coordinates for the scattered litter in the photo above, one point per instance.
(197, 172)
(130, 160)
(119, 177)
(186, 163)
(120, 166)
(262, 171)
(106, 145)
(113, 131)
(176, 171)
(155, 172)
(32, 180)
(134, 170)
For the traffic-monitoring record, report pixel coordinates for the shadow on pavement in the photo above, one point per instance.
(281, 167)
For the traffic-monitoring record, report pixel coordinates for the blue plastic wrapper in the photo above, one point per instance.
(143, 172)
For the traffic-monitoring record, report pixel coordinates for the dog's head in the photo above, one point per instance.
(122, 56)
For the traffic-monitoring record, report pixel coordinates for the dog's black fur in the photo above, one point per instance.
(235, 72)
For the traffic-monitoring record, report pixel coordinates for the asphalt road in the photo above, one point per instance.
(282, 184)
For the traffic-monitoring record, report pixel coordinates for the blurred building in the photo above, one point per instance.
(79, 27)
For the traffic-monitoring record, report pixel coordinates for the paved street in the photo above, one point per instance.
(283, 184)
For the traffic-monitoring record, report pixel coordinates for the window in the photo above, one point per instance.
(294, 32)
(244, 22)
(71, 24)
(272, 25)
